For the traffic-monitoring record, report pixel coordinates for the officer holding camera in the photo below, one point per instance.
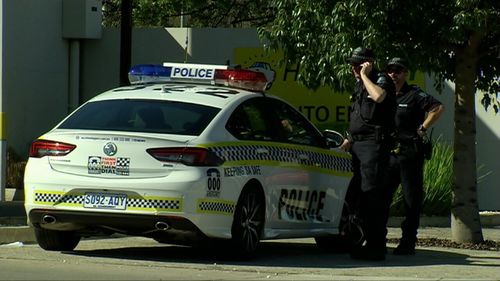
(369, 141)
(416, 112)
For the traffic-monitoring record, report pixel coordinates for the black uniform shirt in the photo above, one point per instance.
(366, 114)
(413, 104)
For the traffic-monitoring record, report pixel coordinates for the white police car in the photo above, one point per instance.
(187, 153)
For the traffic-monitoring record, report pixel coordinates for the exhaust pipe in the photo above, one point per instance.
(162, 226)
(48, 219)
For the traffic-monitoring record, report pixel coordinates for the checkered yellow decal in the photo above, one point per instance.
(75, 199)
(215, 206)
(304, 157)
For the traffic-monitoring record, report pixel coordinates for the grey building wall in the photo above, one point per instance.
(36, 74)
(35, 68)
(100, 58)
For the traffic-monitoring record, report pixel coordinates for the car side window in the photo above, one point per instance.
(268, 119)
(295, 128)
(249, 121)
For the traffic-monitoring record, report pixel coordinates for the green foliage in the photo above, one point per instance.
(197, 13)
(15, 170)
(438, 180)
(432, 34)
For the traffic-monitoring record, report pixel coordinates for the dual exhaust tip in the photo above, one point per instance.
(162, 226)
(50, 219)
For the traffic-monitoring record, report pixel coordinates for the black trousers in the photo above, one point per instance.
(407, 169)
(368, 191)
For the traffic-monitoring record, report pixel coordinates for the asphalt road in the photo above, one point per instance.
(132, 258)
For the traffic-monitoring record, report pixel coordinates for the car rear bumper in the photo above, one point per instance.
(161, 227)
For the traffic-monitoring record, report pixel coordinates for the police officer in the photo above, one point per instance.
(369, 141)
(416, 112)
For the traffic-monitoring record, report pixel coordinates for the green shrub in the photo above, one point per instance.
(15, 170)
(438, 181)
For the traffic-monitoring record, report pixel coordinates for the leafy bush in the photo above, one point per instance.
(15, 170)
(438, 180)
(438, 183)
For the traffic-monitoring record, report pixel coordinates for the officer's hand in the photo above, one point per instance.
(366, 68)
(346, 145)
(421, 133)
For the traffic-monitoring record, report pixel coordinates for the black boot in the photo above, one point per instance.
(405, 248)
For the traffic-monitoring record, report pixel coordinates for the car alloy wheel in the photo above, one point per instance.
(248, 221)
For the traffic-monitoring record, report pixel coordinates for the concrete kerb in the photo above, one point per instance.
(12, 234)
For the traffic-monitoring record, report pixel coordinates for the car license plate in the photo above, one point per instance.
(105, 201)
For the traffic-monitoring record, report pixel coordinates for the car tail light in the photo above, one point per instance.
(192, 156)
(41, 148)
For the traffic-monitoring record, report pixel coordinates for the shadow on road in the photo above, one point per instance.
(283, 254)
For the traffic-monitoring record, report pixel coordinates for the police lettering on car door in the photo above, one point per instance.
(301, 205)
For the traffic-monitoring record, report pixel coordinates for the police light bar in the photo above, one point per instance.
(198, 73)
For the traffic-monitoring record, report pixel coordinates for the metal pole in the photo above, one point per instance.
(3, 129)
(125, 41)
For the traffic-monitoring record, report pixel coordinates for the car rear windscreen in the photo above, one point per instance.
(165, 117)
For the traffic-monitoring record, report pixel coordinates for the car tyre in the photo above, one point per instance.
(54, 240)
(350, 234)
(248, 223)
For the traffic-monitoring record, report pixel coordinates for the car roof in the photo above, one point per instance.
(210, 95)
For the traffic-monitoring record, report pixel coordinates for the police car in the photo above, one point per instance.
(186, 154)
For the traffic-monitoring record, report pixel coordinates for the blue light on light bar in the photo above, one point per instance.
(149, 73)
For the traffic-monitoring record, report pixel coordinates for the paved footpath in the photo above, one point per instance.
(136, 258)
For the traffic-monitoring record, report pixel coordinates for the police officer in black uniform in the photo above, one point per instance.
(416, 112)
(369, 141)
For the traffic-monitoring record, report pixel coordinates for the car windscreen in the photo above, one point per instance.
(150, 116)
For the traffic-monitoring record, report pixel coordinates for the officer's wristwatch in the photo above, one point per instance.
(422, 128)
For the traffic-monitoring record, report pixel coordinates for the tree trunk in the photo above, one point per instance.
(465, 219)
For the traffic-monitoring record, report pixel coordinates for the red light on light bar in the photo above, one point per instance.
(242, 78)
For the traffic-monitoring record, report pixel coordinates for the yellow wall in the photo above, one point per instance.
(324, 107)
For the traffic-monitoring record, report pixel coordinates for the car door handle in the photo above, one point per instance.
(303, 157)
(261, 151)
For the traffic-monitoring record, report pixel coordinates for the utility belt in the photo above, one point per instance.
(377, 134)
(366, 137)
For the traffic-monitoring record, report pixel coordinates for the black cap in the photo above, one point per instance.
(398, 62)
(361, 55)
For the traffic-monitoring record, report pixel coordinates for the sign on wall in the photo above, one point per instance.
(326, 108)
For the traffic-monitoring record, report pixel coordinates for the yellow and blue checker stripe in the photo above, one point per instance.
(322, 160)
(215, 206)
(147, 203)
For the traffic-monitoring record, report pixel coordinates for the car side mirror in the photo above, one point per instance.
(333, 138)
